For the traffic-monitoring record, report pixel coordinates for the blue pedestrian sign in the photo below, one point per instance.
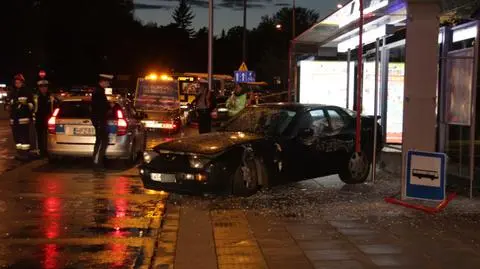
(244, 76)
(426, 175)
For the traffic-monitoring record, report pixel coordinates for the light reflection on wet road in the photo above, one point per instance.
(64, 216)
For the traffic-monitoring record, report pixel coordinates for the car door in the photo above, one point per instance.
(340, 142)
(308, 151)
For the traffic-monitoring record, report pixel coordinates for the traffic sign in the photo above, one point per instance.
(244, 76)
(243, 67)
(426, 175)
(42, 73)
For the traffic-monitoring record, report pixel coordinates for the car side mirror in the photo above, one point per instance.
(305, 133)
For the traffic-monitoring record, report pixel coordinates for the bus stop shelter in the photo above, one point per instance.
(425, 75)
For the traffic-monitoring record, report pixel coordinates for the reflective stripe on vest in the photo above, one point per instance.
(23, 121)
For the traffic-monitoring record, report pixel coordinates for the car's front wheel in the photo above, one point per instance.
(356, 169)
(248, 177)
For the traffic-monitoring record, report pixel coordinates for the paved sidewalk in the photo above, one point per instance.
(234, 233)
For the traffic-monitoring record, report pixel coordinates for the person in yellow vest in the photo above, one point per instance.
(237, 101)
(45, 103)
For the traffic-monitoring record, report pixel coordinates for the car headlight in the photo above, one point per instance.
(222, 109)
(149, 156)
(198, 162)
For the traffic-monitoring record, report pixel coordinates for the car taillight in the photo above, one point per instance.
(52, 122)
(121, 124)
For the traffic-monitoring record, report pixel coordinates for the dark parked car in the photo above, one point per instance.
(264, 145)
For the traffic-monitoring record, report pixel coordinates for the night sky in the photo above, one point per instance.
(228, 13)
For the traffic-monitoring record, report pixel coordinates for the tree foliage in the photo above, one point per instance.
(75, 40)
(458, 11)
(183, 16)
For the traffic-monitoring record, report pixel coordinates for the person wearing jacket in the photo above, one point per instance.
(237, 101)
(21, 106)
(100, 108)
(45, 103)
(203, 105)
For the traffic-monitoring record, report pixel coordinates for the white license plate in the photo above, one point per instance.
(165, 178)
(84, 131)
(159, 125)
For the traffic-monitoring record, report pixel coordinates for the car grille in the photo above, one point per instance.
(172, 162)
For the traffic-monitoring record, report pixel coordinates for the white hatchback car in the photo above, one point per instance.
(71, 133)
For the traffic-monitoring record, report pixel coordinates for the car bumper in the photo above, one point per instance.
(120, 150)
(211, 184)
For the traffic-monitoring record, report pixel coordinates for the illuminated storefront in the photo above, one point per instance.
(324, 63)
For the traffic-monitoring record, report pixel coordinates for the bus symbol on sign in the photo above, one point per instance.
(426, 175)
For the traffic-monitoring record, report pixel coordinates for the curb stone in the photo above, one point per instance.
(164, 254)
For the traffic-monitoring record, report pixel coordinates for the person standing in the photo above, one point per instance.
(203, 104)
(237, 101)
(20, 104)
(45, 103)
(100, 108)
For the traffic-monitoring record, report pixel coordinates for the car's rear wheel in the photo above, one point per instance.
(356, 169)
(132, 156)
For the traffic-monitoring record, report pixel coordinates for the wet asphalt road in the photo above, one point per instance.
(64, 216)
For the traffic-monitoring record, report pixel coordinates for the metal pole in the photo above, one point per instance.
(360, 80)
(290, 70)
(375, 112)
(384, 87)
(293, 20)
(442, 94)
(348, 79)
(244, 52)
(473, 113)
(210, 45)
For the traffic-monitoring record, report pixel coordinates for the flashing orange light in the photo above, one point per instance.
(152, 76)
(166, 77)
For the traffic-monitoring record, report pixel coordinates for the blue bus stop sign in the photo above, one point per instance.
(426, 175)
(244, 76)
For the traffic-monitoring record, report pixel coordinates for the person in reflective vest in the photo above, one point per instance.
(21, 106)
(237, 101)
(45, 103)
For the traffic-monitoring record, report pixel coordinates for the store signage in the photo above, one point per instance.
(426, 175)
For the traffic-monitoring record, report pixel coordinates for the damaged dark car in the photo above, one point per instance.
(264, 145)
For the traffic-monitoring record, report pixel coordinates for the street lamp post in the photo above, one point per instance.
(293, 20)
(244, 54)
(210, 45)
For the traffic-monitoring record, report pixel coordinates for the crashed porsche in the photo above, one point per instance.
(264, 145)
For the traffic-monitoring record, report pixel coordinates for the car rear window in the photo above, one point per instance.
(80, 110)
(75, 110)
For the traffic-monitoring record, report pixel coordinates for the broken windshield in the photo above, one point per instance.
(261, 120)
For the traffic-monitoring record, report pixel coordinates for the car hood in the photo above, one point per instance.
(208, 144)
